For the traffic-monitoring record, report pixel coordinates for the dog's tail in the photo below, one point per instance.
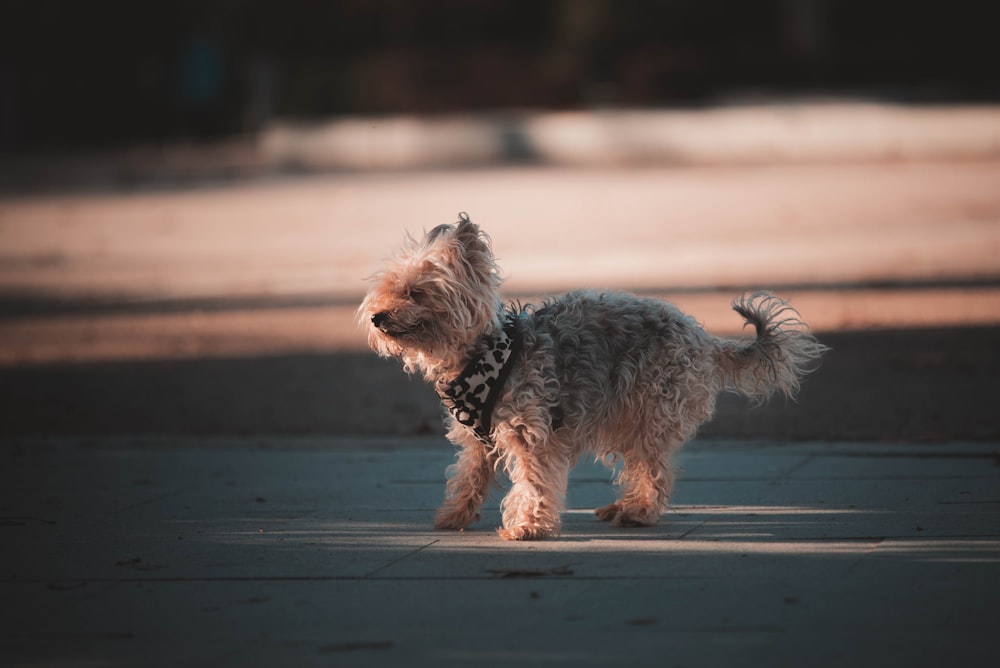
(783, 352)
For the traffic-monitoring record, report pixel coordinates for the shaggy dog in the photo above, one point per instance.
(628, 379)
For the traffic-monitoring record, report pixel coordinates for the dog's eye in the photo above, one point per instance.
(415, 294)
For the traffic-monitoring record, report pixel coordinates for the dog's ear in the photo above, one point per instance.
(465, 231)
(473, 247)
(470, 237)
(438, 231)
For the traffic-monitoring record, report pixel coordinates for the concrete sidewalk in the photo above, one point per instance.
(285, 552)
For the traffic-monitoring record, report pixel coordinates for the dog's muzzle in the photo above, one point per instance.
(382, 322)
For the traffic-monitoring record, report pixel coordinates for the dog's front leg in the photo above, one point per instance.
(468, 484)
(531, 508)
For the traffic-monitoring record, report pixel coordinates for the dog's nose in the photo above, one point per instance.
(379, 318)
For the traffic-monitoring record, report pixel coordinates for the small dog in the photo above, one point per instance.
(627, 378)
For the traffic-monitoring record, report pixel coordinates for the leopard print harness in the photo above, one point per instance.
(470, 398)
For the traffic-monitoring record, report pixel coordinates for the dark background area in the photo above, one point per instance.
(81, 74)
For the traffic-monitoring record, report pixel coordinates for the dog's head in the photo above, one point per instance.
(435, 299)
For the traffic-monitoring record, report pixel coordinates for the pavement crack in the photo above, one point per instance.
(152, 499)
(801, 464)
(876, 542)
(530, 572)
(691, 530)
(402, 558)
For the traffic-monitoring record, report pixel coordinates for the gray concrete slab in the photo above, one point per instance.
(278, 552)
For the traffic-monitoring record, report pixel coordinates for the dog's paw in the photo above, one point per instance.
(608, 512)
(627, 516)
(636, 517)
(525, 533)
(450, 518)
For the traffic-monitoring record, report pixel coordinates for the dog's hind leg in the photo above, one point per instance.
(646, 490)
(646, 482)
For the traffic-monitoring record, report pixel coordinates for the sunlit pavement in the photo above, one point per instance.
(282, 552)
(264, 268)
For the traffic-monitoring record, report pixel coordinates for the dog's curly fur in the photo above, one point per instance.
(632, 378)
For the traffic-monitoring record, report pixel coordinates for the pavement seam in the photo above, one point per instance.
(691, 530)
(152, 499)
(402, 558)
(869, 552)
(795, 468)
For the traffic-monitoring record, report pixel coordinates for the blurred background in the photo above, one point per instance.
(192, 192)
(112, 72)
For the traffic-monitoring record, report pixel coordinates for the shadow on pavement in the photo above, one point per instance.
(913, 384)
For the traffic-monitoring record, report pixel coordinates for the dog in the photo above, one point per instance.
(626, 378)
